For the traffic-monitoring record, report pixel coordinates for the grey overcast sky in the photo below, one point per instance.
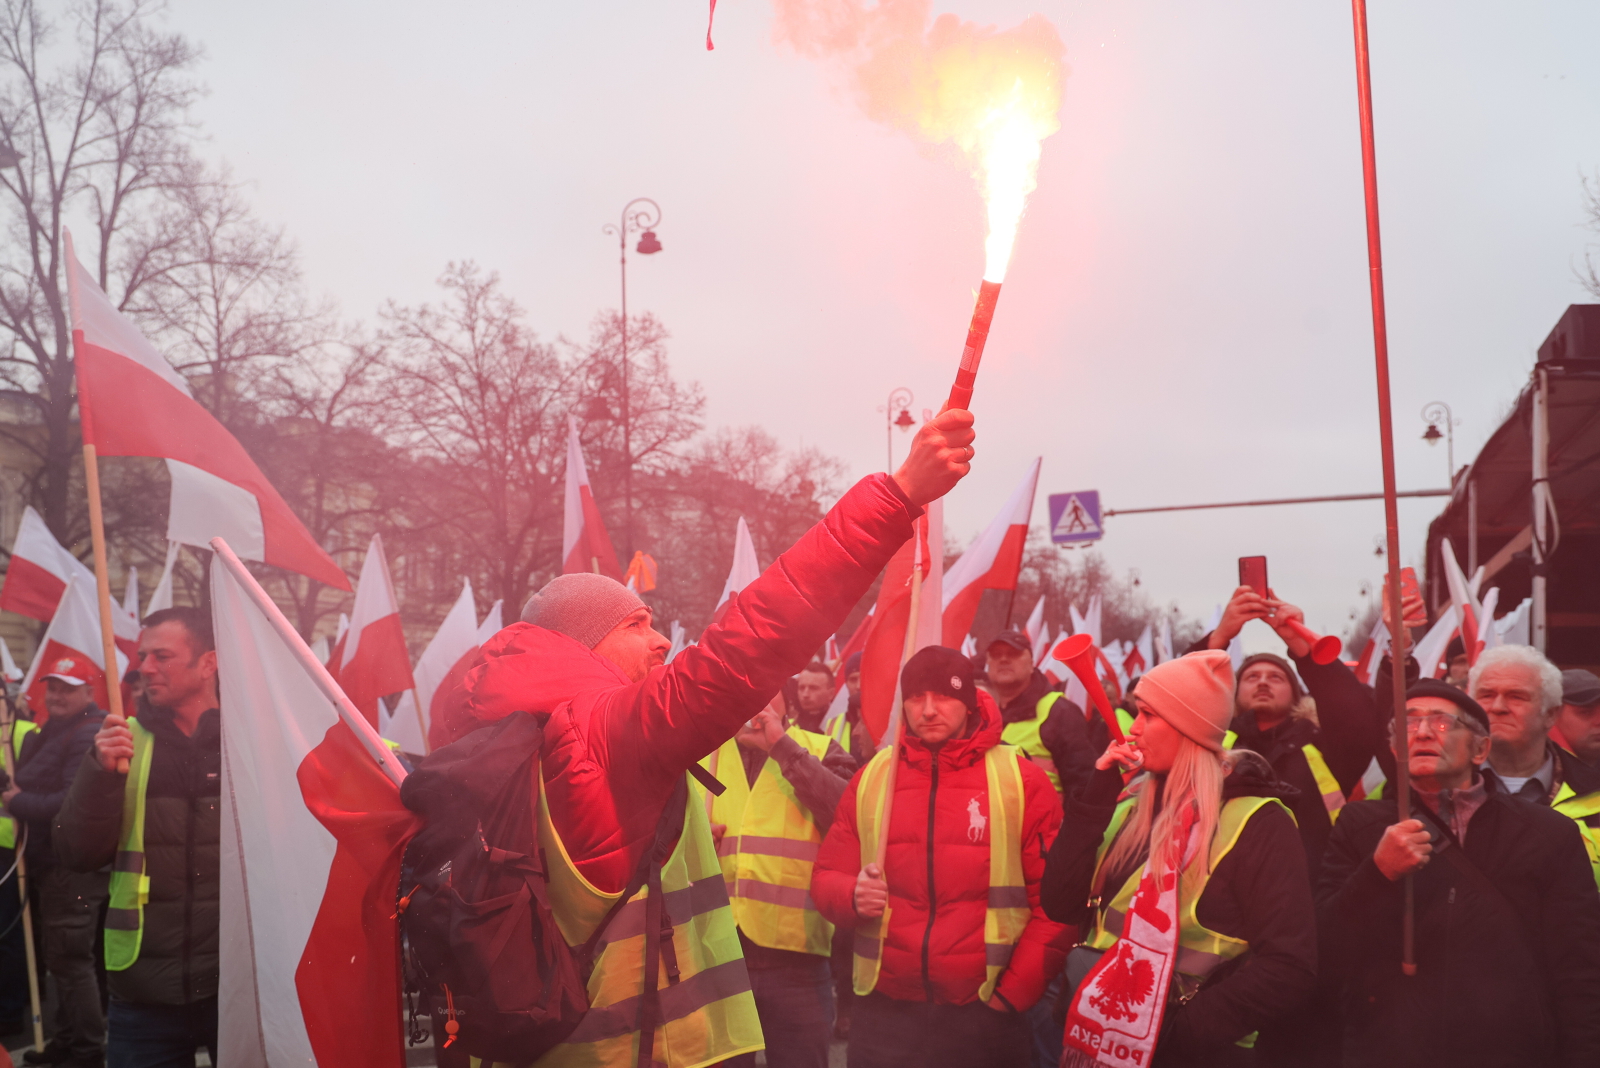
(1186, 315)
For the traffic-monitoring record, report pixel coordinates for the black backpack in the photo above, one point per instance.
(484, 949)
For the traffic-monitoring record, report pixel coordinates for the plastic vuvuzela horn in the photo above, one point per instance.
(1079, 654)
(1324, 649)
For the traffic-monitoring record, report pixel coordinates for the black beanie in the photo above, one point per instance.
(1440, 688)
(937, 669)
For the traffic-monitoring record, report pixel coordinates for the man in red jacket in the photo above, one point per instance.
(624, 728)
(951, 945)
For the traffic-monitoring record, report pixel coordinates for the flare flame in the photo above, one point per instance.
(993, 96)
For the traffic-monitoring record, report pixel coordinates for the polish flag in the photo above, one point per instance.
(857, 642)
(885, 649)
(162, 597)
(585, 545)
(452, 651)
(992, 563)
(1462, 598)
(745, 569)
(39, 569)
(314, 834)
(132, 403)
(1377, 648)
(73, 646)
(372, 660)
(492, 624)
(130, 593)
(1034, 627)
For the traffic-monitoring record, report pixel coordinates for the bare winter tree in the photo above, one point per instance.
(1589, 274)
(479, 403)
(94, 104)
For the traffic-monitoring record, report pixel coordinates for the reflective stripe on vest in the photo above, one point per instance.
(839, 731)
(130, 886)
(1582, 808)
(1327, 785)
(1333, 798)
(709, 1014)
(767, 850)
(19, 731)
(1199, 949)
(1024, 734)
(1008, 912)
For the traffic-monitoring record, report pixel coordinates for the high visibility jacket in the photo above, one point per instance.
(840, 732)
(1024, 734)
(1584, 809)
(1333, 798)
(8, 824)
(709, 1013)
(130, 886)
(768, 849)
(1200, 950)
(1007, 913)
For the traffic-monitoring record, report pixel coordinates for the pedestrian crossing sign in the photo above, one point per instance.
(1075, 517)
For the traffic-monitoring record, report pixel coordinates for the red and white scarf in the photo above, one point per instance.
(1116, 1012)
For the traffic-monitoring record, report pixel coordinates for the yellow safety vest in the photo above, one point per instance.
(840, 732)
(1024, 734)
(709, 1014)
(1200, 950)
(1008, 912)
(1581, 808)
(1333, 798)
(768, 849)
(8, 825)
(130, 886)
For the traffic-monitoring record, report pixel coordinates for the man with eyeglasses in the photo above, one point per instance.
(1507, 917)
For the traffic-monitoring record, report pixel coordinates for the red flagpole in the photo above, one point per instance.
(1391, 508)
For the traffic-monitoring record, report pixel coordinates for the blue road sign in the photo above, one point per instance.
(1075, 517)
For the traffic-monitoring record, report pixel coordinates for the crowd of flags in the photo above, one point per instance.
(315, 827)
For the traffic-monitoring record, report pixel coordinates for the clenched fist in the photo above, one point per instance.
(1403, 849)
(872, 893)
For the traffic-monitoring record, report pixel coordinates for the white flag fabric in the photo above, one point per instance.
(38, 571)
(162, 597)
(992, 562)
(313, 834)
(930, 607)
(745, 569)
(130, 593)
(1034, 627)
(451, 651)
(8, 666)
(73, 646)
(493, 623)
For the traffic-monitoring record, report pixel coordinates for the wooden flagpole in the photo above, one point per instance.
(897, 714)
(1391, 512)
(31, 954)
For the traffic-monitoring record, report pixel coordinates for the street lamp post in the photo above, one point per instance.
(900, 398)
(640, 214)
(1434, 414)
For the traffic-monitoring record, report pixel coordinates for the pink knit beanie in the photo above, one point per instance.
(1194, 693)
(584, 606)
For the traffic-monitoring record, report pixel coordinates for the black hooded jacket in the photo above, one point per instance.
(1260, 892)
(1508, 965)
(49, 759)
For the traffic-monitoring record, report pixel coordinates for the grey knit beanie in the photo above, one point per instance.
(584, 606)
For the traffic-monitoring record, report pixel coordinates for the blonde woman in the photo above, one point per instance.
(1188, 887)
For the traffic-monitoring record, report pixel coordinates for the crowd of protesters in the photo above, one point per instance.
(1218, 876)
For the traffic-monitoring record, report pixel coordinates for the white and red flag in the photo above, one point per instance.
(39, 569)
(492, 624)
(1467, 610)
(313, 834)
(371, 660)
(132, 403)
(992, 563)
(440, 667)
(585, 546)
(745, 569)
(886, 647)
(162, 597)
(1034, 627)
(73, 646)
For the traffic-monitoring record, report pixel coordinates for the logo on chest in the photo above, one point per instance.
(977, 822)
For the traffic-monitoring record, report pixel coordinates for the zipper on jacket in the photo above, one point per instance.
(933, 897)
(188, 890)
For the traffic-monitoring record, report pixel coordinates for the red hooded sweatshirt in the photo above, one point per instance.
(615, 750)
(937, 868)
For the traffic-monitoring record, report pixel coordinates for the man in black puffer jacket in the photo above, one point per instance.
(161, 959)
(68, 901)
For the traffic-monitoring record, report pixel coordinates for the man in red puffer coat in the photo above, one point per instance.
(623, 728)
(967, 948)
